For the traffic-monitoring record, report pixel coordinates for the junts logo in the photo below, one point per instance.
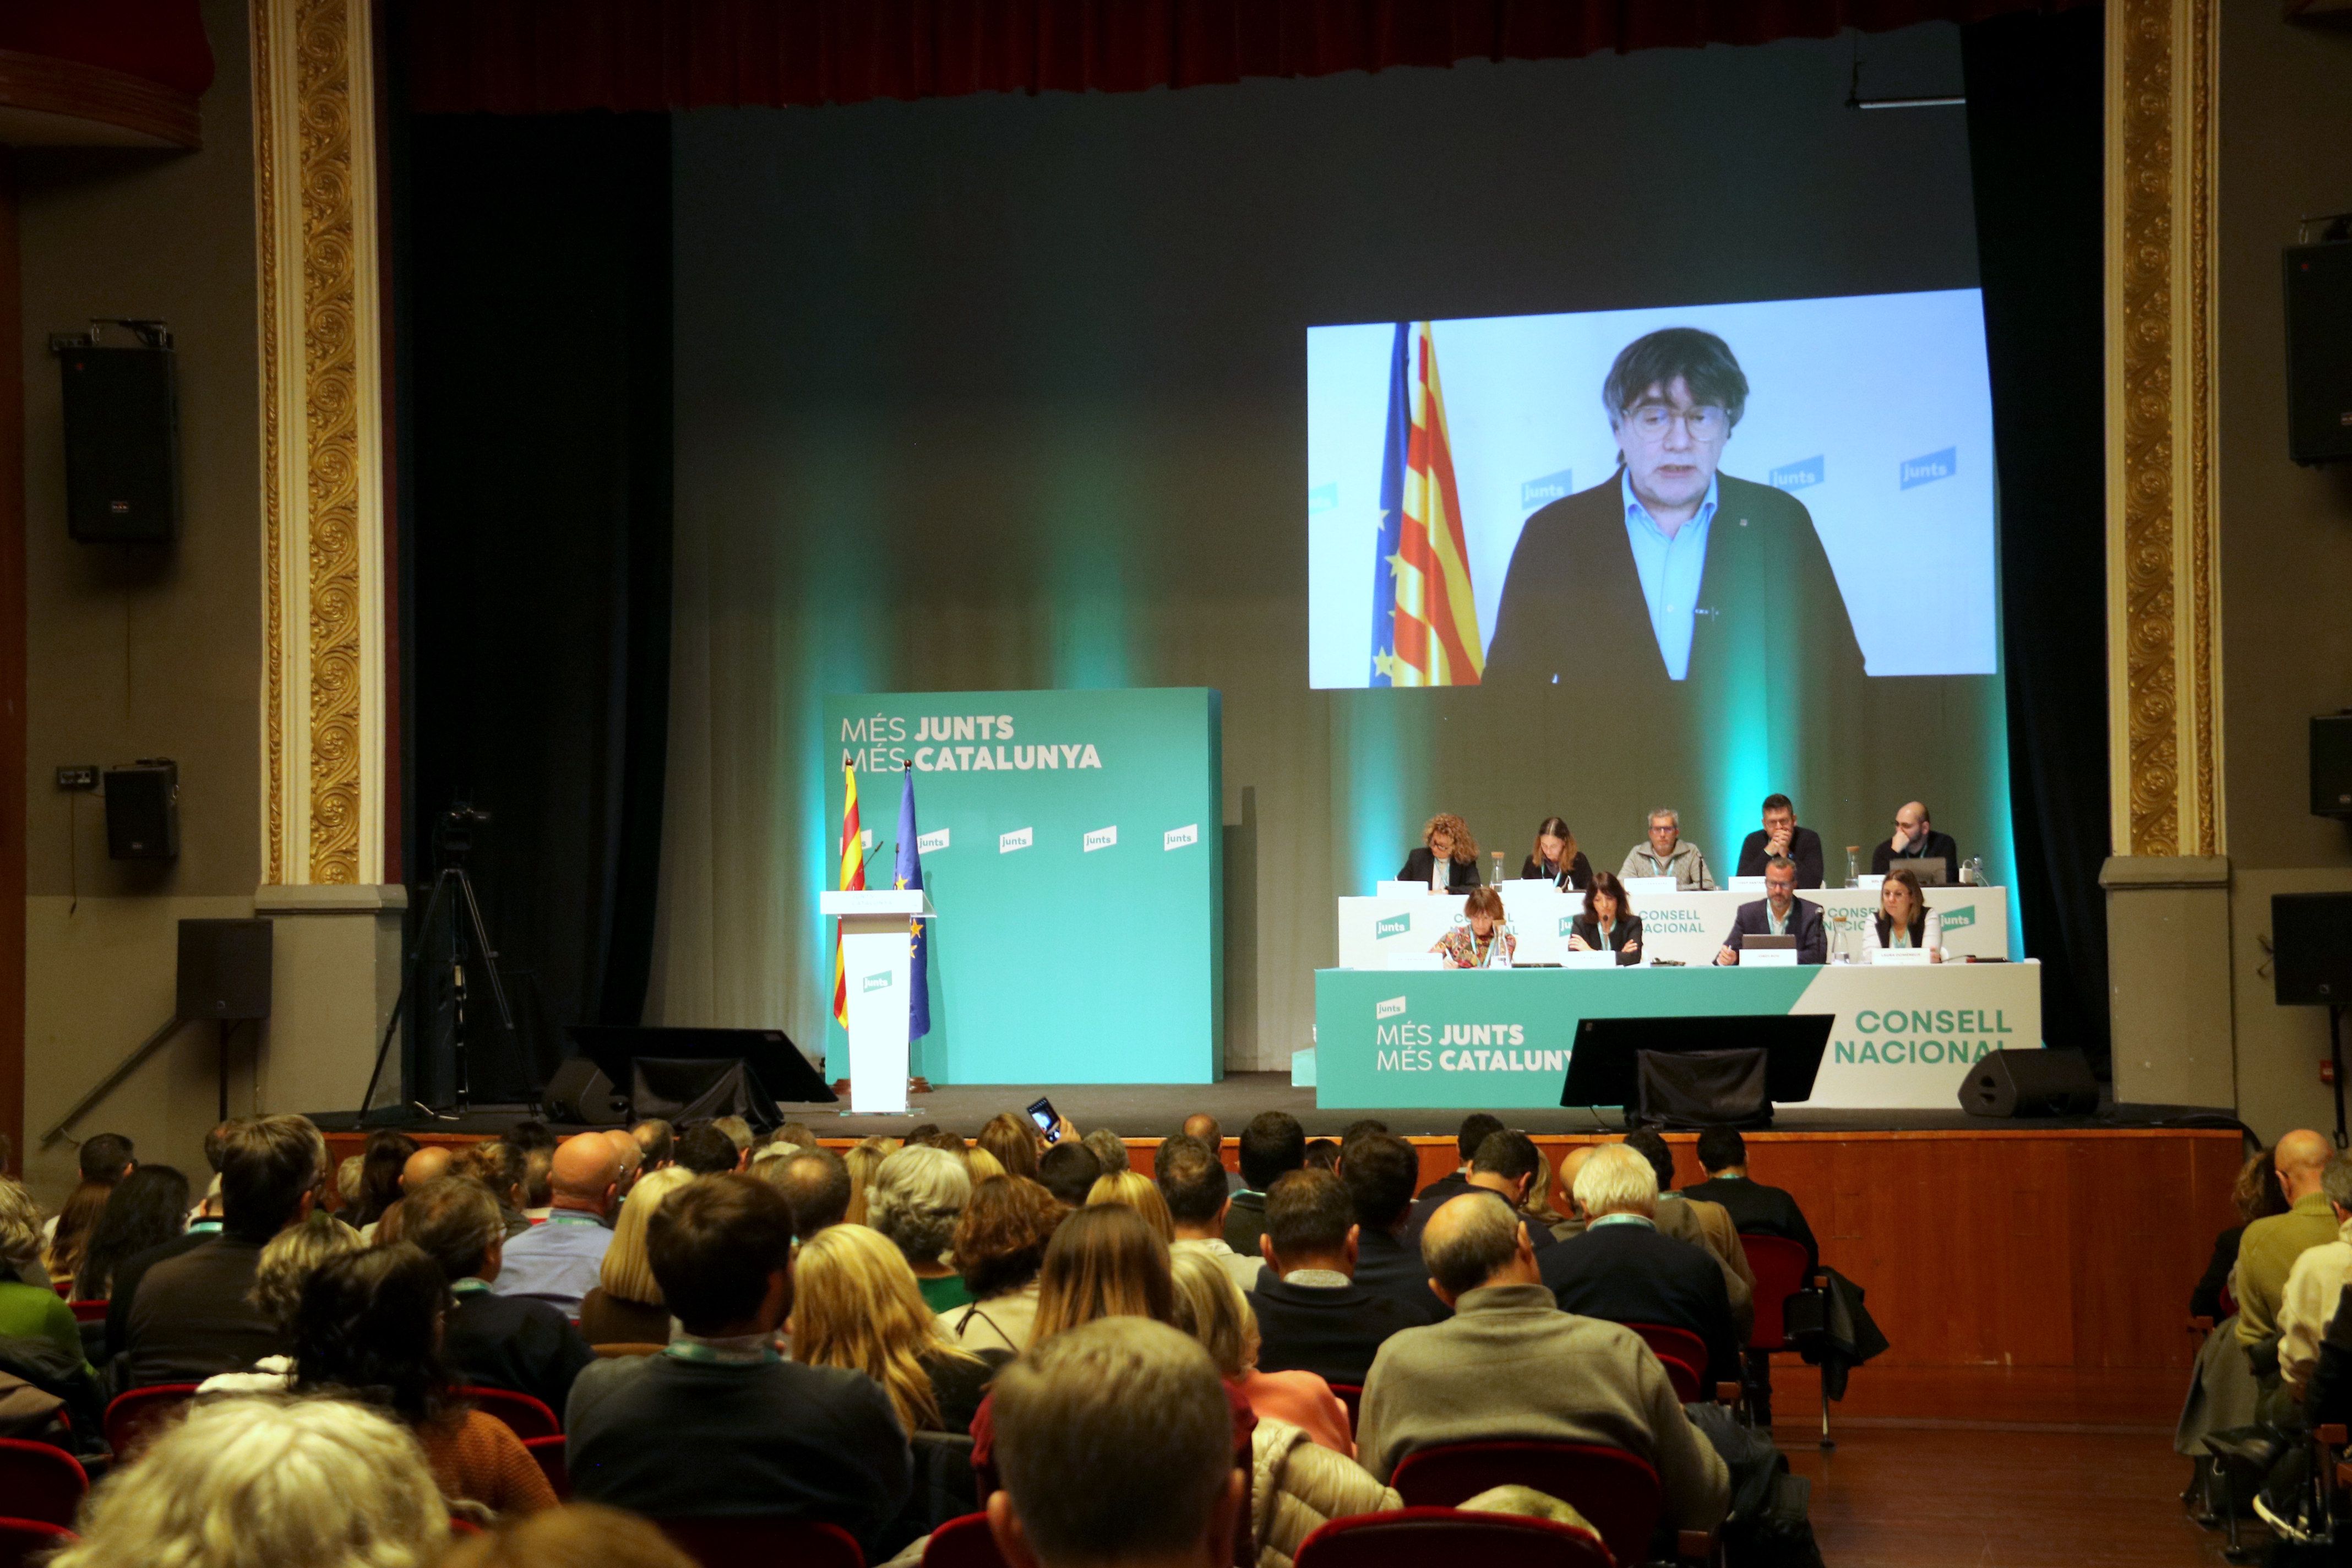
(1388, 1009)
(1100, 838)
(1393, 925)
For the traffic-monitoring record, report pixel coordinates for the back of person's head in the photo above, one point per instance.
(738, 1131)
(1616, 1180)
(855, 1304)
(1204, 1126)
(1013, 1140)
(861, 1159)
(658, 1139)
(1108, 1149)
(983, 1165)
(1103, 1262)
(348, 1178)
(1650, 1144)
(1191, 1179)
(429, 1163)
(1069, 1170)
(380, 1162)
(1477, 1127)
(270, 1164)
(916, 1197)
(283, 1271)
(455, 1222)
(217, 1142)
(1721, 1149)
(717, 1245)
(1468, 1240)
(106, 1158)
(1272, 1143)
(1508, 1155)
(816, 1185)
(1323, 1155)
(532, 1133)
(2256, 1193)
(1361, 1127)
(1308, 1216)
(627, 1271)
(1000, 1241)
(147, 1208)
(369, 1326)
(1134, 1189)
(587, 1172)
(498, 1165)
(706, 1150)
(796, 1132)
(537, 1176)
(20, 1224)
(76, 1219)
(569, 1536)
(267, 1483)
(1381, 1172)
(1212, 1309)
(1089, 1479)
(2337, 1182)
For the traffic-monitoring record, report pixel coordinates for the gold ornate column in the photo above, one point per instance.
(322, 441)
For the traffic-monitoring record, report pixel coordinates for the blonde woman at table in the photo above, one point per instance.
(1904, 921)
(1483, 943)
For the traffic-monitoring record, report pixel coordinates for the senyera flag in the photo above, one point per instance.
(853, 880)
(1424, 612)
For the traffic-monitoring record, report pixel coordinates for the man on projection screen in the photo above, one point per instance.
(1670, 574)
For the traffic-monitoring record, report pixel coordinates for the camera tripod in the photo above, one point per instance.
(454, 889)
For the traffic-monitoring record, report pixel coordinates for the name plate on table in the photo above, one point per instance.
(1649, 887)
(1869, 884)
(1747, 885)
(1417, 960)
(1573, 959)
(1528, 885)
(1903, 957)
(1768, 958)
(1394, 890)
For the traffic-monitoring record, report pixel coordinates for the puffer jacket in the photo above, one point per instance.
(1297, 1486)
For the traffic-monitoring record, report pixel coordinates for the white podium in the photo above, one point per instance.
(877, 952)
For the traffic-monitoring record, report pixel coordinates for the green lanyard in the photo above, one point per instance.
(711, 1356)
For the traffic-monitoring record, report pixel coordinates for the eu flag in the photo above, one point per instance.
(910, 874)
(1390, 543)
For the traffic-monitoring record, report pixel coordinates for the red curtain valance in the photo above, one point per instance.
(525, 57)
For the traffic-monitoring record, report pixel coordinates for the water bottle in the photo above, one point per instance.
(1973, 872)
(1853, 865)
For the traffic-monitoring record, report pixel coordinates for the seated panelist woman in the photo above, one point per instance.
(1903, 919)
(1448, 861)
(1483, 943)
(1557, 859)
(1607, 925)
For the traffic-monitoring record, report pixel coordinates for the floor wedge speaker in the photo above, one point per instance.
(2029, 1083)
(582, 1096)
(2311, 949)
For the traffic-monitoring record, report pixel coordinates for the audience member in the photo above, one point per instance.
(916, 1198)
(2255, 1195)
(349, 1177)
(280, 1278)
(1379, 1170)
(719, 1423)
(707, 1151)
(2315, 1285)
(30, 1312)
(1014, 1142)
(738, 1131)
(626, 1306)
(104, 1158)
(1202, 1127)
(1136, 1191)
(1087, 1486)
(1102, 1263)
(1110, 1151)
(1756, 1209)
(370, 1329)
(863, 1159)
(429, 1163)
(493, 1341)
(983, 1165)
(1311, 1314)
(538, 1180)
(246, 1482)
(380, 1167)
(1477, 1127)
(190, 1316)
(815, 1183)
(1706, 1225)
(530, 1133)
(557, 1262)
(1511, 1365)
(573, 1534)
(1506, 1165)
(1193, 1186)
(632, 1159)
(1212, 1309)
(147, 1208)
(1539, 1205)
(2267, 1251)
(1271, 1146)
(798, 1134)
(1323, 1155)
(1000, 1245)
(500, 1166)
(1622, 1269)
(1069, 1170)
(855, 1304)
(657, 1140)
(1359, 1128)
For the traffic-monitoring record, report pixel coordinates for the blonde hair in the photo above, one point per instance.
(1103, 1262)
(1540, 1202)
(262, 1483)
(983, 1165)
(855, 1304)
(1212, 1309)
(291, 1257)
(1140, 1193)
(627, 1274)
(20, 1223)
(573, 1533)
(862, 1158)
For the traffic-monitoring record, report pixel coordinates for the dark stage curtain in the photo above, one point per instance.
(2035, 142)
(536, 438)
(524, 57)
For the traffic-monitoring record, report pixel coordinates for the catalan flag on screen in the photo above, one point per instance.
(853, 880)
(1424, 613)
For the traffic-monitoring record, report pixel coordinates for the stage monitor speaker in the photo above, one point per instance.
(2319, 353)
(225, 969)
(2031, 1083)
(579, 1094)
(142, 810)
(2311, 949)
(123, 444)
(2331, 766)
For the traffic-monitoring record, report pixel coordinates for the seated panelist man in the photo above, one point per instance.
(1782, 836)
(1779, 912)
(1915, 838)
(1667, 853)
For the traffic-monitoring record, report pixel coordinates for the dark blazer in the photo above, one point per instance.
(127, 1276)
(513, 1342)
(1244, 1221)
(1882, 858)
(1805, 924)
(1460, 877)
(1388, 1266)
(1333, 1332)
(1627, 928)
(2205, 1300)
(1804, 848)
(1578, 876)
(1631, 1274)
(1758, 1210)
(192, 1319)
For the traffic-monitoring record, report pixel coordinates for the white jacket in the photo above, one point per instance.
(1297, 1486)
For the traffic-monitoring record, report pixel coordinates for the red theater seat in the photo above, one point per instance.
(749, 1540)
(1420, 1537)
(28, 1540)
(530, 1418)
(1617, 1491)
(40, 1482)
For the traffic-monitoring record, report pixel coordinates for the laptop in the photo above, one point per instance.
(1929, 868)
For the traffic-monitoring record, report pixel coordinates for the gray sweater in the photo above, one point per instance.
(1510, 1365)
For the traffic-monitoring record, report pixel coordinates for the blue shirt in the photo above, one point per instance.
(557, 1262)
(1671, 570)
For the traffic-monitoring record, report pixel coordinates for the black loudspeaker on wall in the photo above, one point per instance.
(225, 970)
(142, 810)
(581, 1095)
(2319, 353)
(122, 438)
(2031, 1083)
(2311, 949)
(2331, 766)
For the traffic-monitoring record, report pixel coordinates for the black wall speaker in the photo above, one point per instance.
(123, 444)
(225, 969)
(2319, 353)
(2031, 1083)
(142, 810)
(2311, 949)
(581, 1095)
(2331, 766)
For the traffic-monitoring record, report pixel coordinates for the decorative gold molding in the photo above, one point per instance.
(2163, 596)
(322, 514)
